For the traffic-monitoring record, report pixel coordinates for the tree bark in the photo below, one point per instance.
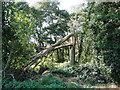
(48, 50)
(72, 51)
(80, 49)
(58, 56)
(62, 55)
(72, 55)
(43, 53)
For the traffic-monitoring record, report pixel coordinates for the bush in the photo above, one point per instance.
(72, 86)
(51, 80)
(56, 86)
(47, 82)
(107, 37)
(25, 84)
(89, 73)
(63, 72)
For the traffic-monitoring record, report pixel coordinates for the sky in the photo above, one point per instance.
(64, 4)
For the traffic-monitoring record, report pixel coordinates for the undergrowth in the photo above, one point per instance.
(63, 72)
(87, 73)
(47, 82)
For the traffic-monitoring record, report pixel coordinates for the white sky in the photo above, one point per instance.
(67, 4)
(64, 4)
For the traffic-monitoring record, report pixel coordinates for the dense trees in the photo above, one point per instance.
(102, 33)
(40, 36)
(106, 29)
(16, 47)
(40, 25)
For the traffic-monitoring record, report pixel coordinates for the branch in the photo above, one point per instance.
(52, 47)
(47, 51)
(61, 46)
(63, 40)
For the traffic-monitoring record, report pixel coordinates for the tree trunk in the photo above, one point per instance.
(58, 56)
(80, 49)
(72, 51)
(45, 52)
(68, 53)
(72, 55)
(62, 55)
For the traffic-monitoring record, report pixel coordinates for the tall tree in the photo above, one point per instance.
(102, 21)
(106, 28)
(16, 33)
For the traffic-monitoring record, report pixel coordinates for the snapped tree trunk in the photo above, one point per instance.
(45, 52)
(72, 51)
(72, 55)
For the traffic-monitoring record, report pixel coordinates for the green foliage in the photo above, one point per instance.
(55, 86)
(16, 46)
(47, 82)
(97, 43)
(72, 86)
(51, 80)
(63, 65)
(101, 36)
(27, 30)
(25, 84)
(48, 62)
(89, 73)
(108, 37)
(62, 72)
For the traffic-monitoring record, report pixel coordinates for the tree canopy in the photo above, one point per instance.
(86, 42)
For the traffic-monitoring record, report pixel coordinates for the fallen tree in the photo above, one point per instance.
(57, 45)
(43, 53)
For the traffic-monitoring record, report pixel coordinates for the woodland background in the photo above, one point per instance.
(90, 57)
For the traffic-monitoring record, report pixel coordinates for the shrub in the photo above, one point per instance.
(25, 84)
(47, 82)
(56, 86)
(89, 73)
(63, 72)
(107, 37)
(73, 86)
(51, 80)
